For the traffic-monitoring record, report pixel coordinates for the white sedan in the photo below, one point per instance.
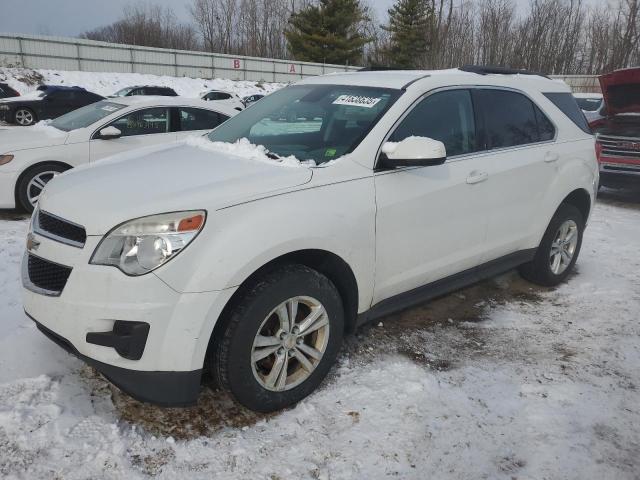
(220, 97)
(31, 156)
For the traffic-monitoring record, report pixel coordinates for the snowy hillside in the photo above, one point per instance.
(26, 80)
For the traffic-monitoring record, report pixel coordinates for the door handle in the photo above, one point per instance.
(477, 177)
(551, 157)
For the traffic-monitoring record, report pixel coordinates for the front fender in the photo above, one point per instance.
(238, 240)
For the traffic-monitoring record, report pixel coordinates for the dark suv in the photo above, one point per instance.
(6, 91)
(46, 102)
(145, 90)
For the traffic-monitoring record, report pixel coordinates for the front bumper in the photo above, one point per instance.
(6, 116)
(166, 389)
(95, 298)
(619, 173)
(8, 188)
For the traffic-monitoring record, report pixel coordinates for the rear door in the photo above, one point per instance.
(57, 103)
(190, 121)
(141, 128)
(521, 161)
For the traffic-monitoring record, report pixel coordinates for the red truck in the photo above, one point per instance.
(618, 129)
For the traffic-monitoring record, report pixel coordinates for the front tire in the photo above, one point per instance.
(32, 183)
(280, 340)
(558, 250)
(25, 117)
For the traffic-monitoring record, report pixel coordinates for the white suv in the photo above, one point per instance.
(251, 252)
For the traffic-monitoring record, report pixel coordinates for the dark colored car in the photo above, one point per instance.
(45, 103)
(251, 99)
(618, 129)
(145, 90)
(6, 91)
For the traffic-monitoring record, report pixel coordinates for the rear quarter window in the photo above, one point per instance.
(567, 103)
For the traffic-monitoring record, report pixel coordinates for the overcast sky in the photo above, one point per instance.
(71, 17)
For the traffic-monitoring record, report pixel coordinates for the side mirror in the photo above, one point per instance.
(413, 152)
(109, 133)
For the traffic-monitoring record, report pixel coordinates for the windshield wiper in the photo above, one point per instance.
(273, 156)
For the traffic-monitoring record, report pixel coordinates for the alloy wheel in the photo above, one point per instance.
(24, 117)
(37, 183)
(563, 247)
(290, 343)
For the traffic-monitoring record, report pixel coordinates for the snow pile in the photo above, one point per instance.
(245, 149)
(541, 386)
(105, 83)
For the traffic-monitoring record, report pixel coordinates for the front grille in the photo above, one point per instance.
(621, 147)
(59, 229)
(46, 275)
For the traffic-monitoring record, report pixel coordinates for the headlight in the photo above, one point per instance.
(4, 159)
(140, 246)
(4, 107)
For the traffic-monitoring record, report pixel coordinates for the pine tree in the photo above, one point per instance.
(328, 32)
(409, 24)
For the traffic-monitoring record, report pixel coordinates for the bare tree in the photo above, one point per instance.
(148, 25)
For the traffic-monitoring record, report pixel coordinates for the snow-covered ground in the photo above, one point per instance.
(502, 380)
(27, 80)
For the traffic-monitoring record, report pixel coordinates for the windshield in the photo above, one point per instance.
(589, 104)
(85, 116)
(310, 122)
(123, 93)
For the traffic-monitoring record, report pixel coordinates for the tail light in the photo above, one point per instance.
(598, 150)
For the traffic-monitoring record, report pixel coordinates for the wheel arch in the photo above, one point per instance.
(580, 199)
(323, 261)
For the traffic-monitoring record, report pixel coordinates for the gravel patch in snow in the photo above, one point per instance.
(502, 380)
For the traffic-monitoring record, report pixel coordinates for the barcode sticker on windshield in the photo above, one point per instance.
(356, 101)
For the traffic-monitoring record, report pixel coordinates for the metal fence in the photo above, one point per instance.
(581, 83)
(58, 53)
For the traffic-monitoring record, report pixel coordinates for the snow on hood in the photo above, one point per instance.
(245, 149)
(39, 135)
(621, 91)
(151, 181)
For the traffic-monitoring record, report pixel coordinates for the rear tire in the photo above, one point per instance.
(267, 364)
(558, 250)
(33, 181)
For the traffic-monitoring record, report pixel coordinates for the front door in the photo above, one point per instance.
(142, 128)
(431, 221)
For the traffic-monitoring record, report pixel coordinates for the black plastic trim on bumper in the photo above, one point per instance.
(619, 178)
(126, 338)
(166, 389)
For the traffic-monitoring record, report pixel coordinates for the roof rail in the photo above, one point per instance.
(488, 70)
(382, 68)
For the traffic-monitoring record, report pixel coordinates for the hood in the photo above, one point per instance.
(621, 91)
(153, 181)
(23, 138)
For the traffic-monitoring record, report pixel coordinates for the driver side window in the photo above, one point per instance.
(143, 122)
(445, 116)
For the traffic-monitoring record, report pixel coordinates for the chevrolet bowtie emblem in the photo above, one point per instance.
(32, 243)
